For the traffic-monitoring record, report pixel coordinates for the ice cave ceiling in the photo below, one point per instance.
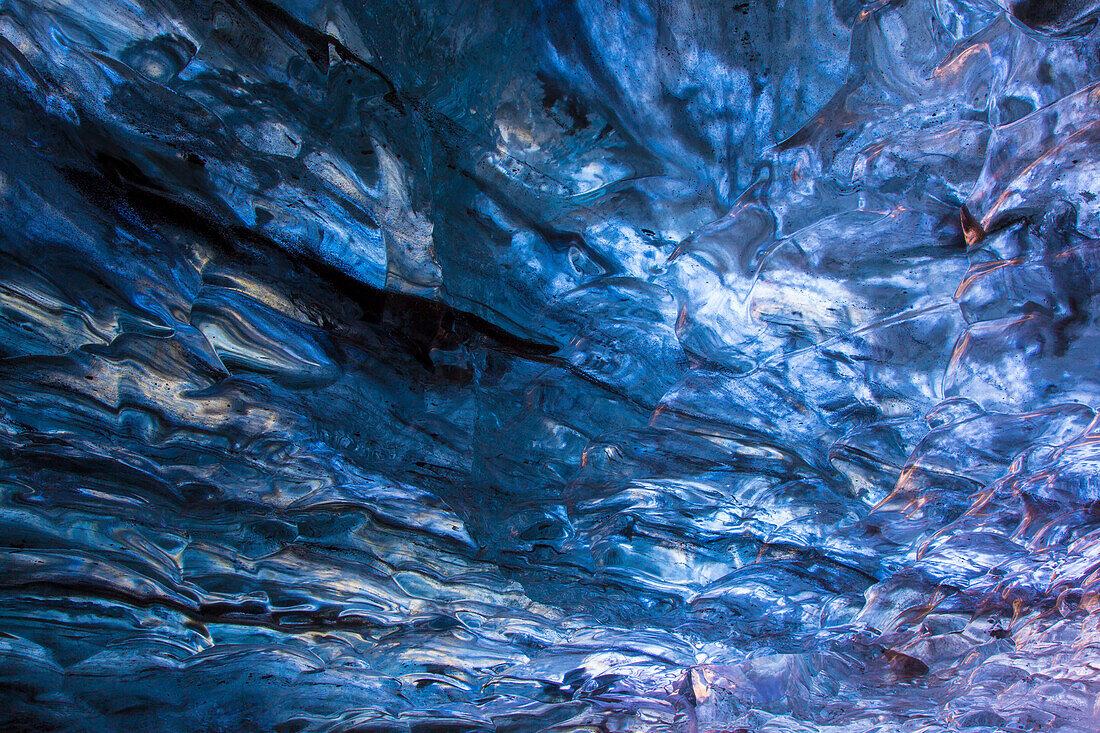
(575, 365)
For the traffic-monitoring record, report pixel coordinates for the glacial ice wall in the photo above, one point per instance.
(583, 365)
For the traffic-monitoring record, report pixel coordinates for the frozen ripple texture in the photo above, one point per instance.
(579, 365)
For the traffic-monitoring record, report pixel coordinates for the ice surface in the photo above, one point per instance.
(583, 365)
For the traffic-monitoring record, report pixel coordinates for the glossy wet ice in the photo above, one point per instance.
(594, 365)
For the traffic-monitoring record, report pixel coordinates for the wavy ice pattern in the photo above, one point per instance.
(593, 365)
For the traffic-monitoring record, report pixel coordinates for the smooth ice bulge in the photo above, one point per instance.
(621, 365)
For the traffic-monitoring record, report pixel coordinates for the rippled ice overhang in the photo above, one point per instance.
(594, 365)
